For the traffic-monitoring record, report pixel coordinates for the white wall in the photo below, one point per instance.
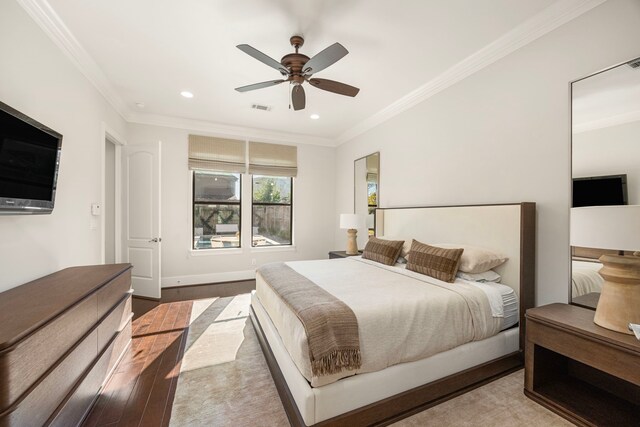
(501, 135)
(38, 80)
(610, 151)
(314, 213)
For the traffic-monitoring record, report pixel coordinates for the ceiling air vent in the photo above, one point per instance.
(635, 63)
(260, 107)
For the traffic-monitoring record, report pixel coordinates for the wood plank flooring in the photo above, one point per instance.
(141, 390)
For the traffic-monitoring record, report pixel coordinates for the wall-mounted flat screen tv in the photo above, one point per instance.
(29, 159)
(600, 191)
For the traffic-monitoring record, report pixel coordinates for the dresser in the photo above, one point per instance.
(588, 374)
(60, 338)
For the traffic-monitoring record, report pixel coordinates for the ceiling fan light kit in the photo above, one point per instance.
(298, 68)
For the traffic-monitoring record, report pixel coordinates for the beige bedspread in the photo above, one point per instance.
(402, 316)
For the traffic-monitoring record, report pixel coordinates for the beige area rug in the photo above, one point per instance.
(225, 381)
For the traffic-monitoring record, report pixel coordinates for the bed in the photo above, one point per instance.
(389, 386)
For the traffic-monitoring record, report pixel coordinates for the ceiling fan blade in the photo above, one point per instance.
(335, 87)
(298, 98)
(325, 58)
(259, 85)
(255, 53)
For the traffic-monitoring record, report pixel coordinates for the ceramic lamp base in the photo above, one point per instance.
(352, 244)
(619, 302)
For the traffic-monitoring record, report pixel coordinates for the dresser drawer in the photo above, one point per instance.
(112, 292)
(79, 402)
(114, 322)
(52, 390)
(24, 363)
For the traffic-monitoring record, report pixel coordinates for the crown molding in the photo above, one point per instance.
(620, 119)
(544, 22)
(49, 21)
(215, 129)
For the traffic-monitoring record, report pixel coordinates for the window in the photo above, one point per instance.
(218, 165)
(216, 210)
(272, 210)
(372, 201)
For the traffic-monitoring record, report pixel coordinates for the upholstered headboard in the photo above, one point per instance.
(507, 228)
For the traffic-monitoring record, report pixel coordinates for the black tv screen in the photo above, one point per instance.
(29, 154)
(600, 191)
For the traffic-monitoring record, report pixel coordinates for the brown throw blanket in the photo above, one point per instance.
(331, 326)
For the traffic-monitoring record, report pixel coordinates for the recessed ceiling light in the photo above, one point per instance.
(186, 94)
(314, 116)
(140, 104)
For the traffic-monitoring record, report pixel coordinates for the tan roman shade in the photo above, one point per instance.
(217, 154)
(273, 159)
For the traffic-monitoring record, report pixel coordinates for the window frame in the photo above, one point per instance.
(290, 204)
(225, 203)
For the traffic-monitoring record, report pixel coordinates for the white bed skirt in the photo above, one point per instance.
(321, 403)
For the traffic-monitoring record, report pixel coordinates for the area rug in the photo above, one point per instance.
(224, 381)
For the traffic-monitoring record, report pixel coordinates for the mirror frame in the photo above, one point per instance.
(571, 83)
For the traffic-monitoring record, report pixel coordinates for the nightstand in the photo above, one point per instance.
(583, 372)
(341, 254)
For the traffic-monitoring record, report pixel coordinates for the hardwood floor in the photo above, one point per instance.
(141, 390)
(192, 292)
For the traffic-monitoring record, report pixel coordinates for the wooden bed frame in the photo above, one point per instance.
(412, 401)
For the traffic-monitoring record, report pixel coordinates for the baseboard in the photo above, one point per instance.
(146, 298)
(198, 279)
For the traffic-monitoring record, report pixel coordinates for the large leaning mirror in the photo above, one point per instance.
(366, 194)
(605, 158)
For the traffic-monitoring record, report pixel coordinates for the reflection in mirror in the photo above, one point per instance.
(366, 194)
(605, 162)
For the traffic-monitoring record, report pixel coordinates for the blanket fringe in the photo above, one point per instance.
(337, 361)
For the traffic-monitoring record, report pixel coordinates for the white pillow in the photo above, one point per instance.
(406, 246)
(476, 259)
(487, 276)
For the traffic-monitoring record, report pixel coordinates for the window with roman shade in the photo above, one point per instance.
(217, 154)
(217, 165)
(273, 159)
(273, 167)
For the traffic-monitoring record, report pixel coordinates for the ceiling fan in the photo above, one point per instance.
(298, 68)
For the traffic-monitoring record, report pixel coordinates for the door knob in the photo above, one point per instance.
(155, 240)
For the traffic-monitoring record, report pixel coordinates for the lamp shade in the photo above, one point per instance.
(606, 227)
(349, 221)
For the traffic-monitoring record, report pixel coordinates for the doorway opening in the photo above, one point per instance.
(109, 208)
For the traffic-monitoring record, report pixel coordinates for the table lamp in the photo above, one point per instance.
(351, 222)
(618, 228)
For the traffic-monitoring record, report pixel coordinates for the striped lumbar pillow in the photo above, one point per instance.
(382, 251)
(439, 263)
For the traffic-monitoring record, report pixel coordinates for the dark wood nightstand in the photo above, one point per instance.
(341, 254)
(585, 373)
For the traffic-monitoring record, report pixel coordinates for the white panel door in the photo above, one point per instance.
(141, 170)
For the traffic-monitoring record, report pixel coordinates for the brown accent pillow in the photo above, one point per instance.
(382, 251)
(439, 263)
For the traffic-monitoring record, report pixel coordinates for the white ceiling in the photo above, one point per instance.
(606, 99)
(150, 50)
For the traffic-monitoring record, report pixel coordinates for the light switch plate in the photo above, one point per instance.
(96, 209)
